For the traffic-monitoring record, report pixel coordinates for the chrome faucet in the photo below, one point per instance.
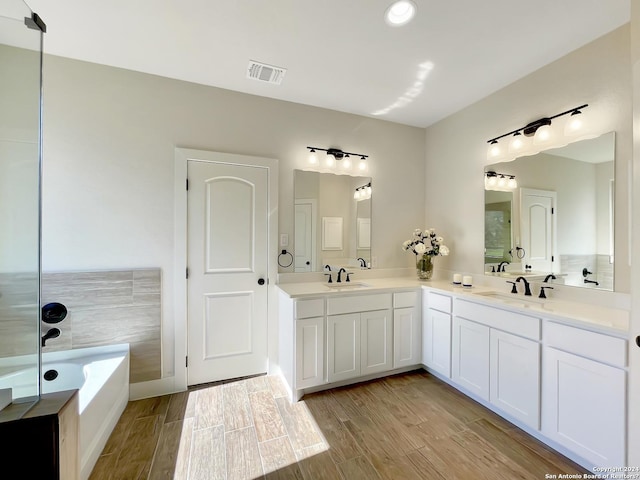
(51, 333)
(527, 287)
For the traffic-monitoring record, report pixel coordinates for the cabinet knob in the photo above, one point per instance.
(261, 281)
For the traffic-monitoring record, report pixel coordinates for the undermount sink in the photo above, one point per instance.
(347, 285)
(512, 298)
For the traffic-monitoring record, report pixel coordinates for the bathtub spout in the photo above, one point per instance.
(51, 333)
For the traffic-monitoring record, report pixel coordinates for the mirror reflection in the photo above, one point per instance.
(331, 226)
(559, 218)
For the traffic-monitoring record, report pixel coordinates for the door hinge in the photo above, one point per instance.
(553, 258)
(553, 210)
(186, 362)
(187, 272)
(187, 184)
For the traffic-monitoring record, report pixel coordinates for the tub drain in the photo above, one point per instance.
(50, 375)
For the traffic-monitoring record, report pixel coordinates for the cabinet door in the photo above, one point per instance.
(343, 346)
(407, 334)
(470, 359)
(309, 352)
(436, 342)
(583, 406)
(376, 331)
(515, 376)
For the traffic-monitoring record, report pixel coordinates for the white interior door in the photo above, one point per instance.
(227, 262)
(305, 234)
(537, 226)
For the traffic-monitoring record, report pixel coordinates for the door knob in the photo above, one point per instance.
(308, 263)
(261, 281)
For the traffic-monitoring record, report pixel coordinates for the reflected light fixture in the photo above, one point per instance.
(400, 13)
(363, 192)
(541, 130)
(499, 181)
(337, 160)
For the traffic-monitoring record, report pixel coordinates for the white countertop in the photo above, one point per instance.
(604, 319)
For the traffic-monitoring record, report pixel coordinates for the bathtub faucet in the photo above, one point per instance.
(51, 333)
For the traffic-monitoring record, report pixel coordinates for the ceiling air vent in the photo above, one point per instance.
(265, 73)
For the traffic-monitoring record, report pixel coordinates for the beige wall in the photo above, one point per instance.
(109, 139)
(597, 74)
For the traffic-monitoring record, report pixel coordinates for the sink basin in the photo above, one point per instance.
(347, 285)
(512, 298)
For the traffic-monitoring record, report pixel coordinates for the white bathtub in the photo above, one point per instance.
(101, 375)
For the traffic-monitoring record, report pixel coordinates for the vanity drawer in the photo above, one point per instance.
(309, 308)
(505, 320)
(358, 303)
(597, 346)
(405, 299)
(439, 302)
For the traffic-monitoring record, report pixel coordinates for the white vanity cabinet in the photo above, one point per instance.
(584, 393)
(359, 336)
(496, 356)
(309, 343)
(436, 332)
(407, 329)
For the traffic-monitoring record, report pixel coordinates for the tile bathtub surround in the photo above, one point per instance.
(18, 314)
(109, 307)
(408, 426)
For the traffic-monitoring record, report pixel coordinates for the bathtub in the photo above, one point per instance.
(101, 375)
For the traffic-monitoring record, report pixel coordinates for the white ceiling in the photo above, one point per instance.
(340, 54)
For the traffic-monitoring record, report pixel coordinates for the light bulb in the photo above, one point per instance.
(492, 181)
(362, 165)
(511, 183)
(356, 194)
(368, 190)
(313, 158)
(400, 13)
(502, 182)
(345, 163)
(574, 125)
(543, 134)
(494, 151)
(518, 143)
(330, 161)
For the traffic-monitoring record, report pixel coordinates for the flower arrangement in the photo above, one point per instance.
(426, 242)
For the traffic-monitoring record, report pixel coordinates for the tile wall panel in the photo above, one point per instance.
(107, 307)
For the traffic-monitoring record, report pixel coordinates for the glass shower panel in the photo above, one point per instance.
(20, 100)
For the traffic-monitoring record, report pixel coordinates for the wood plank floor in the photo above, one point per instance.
(409, 426)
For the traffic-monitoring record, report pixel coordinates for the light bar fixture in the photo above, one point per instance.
(499, 181)
(363, 192)
(537, 135)
(337, 161)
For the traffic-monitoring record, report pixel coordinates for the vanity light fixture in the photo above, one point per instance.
(499, 181)
(363, 192)
(336, 160)
(541, 130)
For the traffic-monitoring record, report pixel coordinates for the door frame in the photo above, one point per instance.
(182, 156)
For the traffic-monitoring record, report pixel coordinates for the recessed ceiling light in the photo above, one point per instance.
(400, 13)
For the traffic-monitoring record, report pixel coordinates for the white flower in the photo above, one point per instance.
(425, 242)
(420, 248)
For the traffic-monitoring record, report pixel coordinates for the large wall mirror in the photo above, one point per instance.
(332, 227)
(559, 218)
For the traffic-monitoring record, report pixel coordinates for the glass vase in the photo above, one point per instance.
(424, 267)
